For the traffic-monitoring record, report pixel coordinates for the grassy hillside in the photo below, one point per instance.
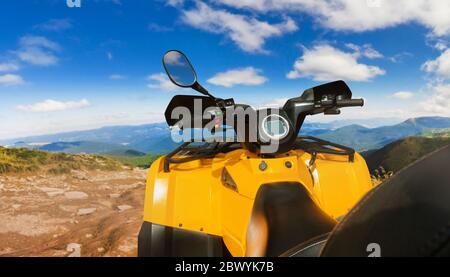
(22, 160)
(397, 155)
(136, 161)
(437, 133)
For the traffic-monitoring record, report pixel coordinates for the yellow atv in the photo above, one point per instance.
(233, 197)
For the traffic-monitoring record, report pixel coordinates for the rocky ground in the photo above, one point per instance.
(84, 213)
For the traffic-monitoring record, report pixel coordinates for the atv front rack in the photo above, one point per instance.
(314, 146)
(192, 153)
(309, 144)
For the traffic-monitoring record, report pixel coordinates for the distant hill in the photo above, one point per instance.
(127, 153)
(363, 139)
(156, 138)
(437, 133)
(397, 155)
(84, 147)
(366, 122)
(143, 138)
(117, 140)
(136, 161)
(23, 160)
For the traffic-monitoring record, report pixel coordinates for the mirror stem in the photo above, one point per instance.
(196, 86)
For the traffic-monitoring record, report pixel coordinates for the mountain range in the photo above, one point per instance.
(399, 154)
(156, 138)
(363, 139)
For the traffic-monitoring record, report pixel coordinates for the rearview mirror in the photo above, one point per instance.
(181, 72)
(179, 69)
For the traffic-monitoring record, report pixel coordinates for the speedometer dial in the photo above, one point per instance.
(275, 127)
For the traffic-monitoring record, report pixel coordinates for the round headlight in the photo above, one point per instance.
(275, 127)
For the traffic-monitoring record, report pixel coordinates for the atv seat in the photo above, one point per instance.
(409, 215)
(307, 249)
(290, 216)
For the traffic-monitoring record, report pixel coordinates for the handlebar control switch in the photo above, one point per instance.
(334, 111)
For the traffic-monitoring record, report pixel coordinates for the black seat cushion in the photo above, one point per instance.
(308, 249)
(290, 216)
(409, 215)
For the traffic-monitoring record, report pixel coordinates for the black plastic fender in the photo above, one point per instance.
(163, 241)
(283, 216)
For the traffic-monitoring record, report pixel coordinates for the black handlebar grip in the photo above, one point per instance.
(350, 103)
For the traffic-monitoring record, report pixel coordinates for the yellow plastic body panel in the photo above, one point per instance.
(191, 196)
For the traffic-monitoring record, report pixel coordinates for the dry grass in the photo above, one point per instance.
(23, 160)
(380, 175)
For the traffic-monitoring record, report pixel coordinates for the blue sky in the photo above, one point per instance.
(67, 68)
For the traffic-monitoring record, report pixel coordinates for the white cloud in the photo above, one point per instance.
(175, 3)
(39, 41)
(403, 95)
(248, 76)
(11, 80)
(155, 27)
(441, 46)
(37, 56)
(109, 56)
(359, 16)
(54, 25)
(9, 67)
(400, 57)
(249, 33)
(326, 63)
(439, 66)
(53, 105)
(439, 102)
(117, 77)
(38, 50)
(160, 81)
(364, 51)
(275, 103)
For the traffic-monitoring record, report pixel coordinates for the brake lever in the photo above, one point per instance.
(332, 111)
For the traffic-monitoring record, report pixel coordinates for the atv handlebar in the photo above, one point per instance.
(350, 103)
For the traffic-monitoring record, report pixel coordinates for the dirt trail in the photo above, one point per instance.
(88, 213)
